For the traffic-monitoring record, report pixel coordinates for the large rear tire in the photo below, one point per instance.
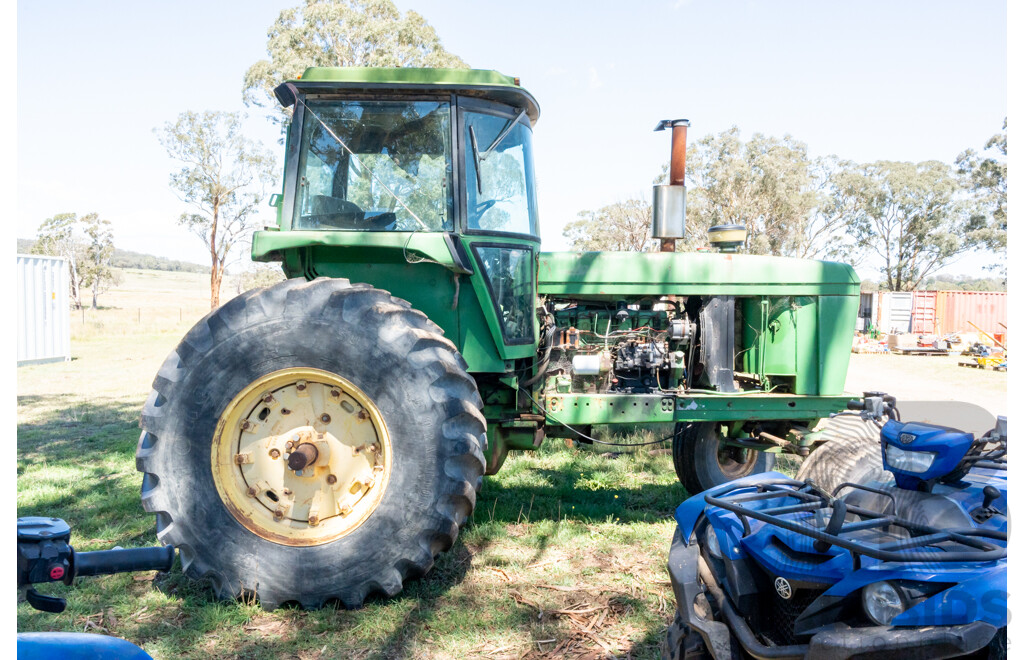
(702, 462)
(311, 442)
(850, 452)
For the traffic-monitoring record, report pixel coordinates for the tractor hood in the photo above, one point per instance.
(604, 274)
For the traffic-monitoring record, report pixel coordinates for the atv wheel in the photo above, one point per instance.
(682, 643)
(311, 441)
(850, 452)
(702, 461)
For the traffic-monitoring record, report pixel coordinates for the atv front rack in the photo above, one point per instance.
(969, 545)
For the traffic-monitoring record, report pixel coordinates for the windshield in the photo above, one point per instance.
(375, 166)
(500, 195)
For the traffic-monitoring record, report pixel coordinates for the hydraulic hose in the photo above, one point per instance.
(542, 367)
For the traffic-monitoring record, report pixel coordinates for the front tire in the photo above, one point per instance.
(850, 452)
(702, 462)
(371, 385)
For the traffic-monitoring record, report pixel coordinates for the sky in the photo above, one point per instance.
(867, 81)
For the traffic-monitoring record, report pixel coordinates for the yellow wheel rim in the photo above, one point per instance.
(301, 457)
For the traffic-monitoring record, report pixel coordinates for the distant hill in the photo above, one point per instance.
(128, 259)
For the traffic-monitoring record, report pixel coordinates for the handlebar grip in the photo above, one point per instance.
(855, 404)
(105, 562)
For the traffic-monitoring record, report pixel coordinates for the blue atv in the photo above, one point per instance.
(45, 555)
(911, 565)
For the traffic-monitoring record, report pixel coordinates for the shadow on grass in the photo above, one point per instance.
(76, 461)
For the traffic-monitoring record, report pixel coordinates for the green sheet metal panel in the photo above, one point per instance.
(609, 274)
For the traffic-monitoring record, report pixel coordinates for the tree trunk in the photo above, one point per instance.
(95, 292)
(215, 270)
(215, 278)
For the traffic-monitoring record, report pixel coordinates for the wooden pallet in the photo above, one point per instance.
(921, 350)
(976, 365)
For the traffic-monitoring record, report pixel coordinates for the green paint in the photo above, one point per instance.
(583, 409)
(610, 274)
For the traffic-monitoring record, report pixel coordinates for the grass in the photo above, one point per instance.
(565, 555)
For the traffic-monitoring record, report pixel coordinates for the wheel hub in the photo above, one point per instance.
(301, 457)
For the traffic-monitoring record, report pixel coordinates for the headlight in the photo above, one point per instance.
(711, 541)
(908, 461)
(882, 602)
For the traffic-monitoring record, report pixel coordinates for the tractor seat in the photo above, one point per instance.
(328, 212)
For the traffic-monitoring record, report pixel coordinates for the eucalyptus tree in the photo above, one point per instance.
(343, 33)
(223, 176)
(87, 244)
(911, 218)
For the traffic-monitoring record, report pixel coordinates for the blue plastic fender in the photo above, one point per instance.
(76, 646)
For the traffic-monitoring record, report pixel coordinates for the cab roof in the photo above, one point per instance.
(480, 83)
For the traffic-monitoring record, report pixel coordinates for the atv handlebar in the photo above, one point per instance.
(873, 406)
(45, 555)
(106, 562)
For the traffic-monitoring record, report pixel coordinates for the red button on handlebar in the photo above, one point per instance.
(57, 572)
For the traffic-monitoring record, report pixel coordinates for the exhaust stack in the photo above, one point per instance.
(669, 204)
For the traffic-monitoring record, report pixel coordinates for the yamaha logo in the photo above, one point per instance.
(783, 588)
(907, 438)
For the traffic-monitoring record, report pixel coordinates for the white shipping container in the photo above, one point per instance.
(895, 311)
(44, 317)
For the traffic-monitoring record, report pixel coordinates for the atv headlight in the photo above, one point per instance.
(711, 541)
(882, 602)
(908, 461)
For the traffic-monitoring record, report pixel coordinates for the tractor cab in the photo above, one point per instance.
(415, 165)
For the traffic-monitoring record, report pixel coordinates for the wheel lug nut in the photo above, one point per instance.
(268, 399)
(331, 479)
(278, 514)
(325, 418)
(313, 521)
(335, 393)
(362, 414)
(252, 491)
(275, 453)
(300, 386)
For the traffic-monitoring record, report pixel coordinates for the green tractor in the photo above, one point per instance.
(323, 439)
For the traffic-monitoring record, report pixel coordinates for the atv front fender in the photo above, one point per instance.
(689, 512)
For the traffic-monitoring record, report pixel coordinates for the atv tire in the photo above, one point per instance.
(850, 452)
(701, 464)
(415, 381)
(682, 643)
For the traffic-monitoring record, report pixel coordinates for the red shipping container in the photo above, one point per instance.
(944, 312)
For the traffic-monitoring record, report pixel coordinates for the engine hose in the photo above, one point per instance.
(542, 367)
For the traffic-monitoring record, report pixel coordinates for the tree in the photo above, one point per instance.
(624, 226)
(343, 33)
(99, 274)
(88, 245)
(768, 184)
(911, 216)
(223, 177)
(258, 275)
(985, 176)
(765, 184)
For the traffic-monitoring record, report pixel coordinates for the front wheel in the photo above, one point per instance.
(703, 461)
(309, 442)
